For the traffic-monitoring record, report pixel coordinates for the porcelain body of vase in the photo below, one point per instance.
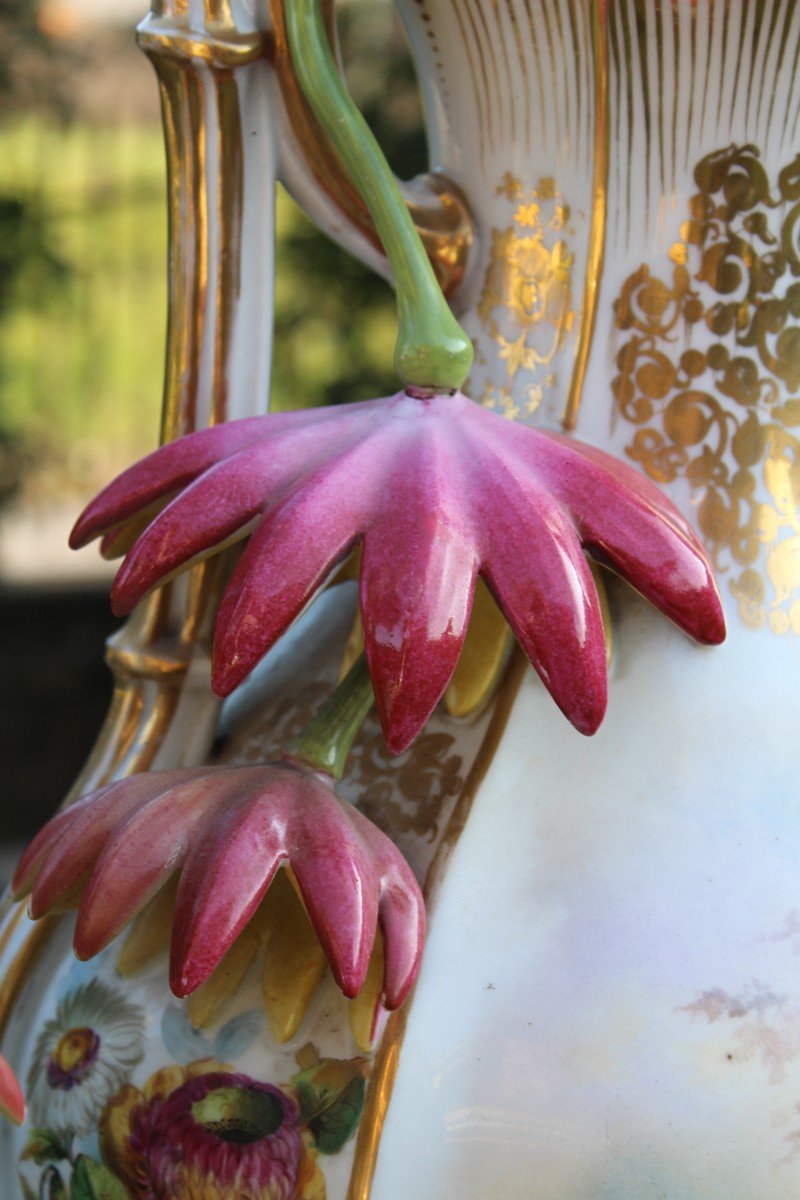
(609, 1004)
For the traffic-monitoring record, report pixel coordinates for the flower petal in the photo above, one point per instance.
(626, 522)
(167, 470)
(418, 574)
(227, 874)
(62, 854)
(294, 964)
(402, 919)
(174, 466)
(221, 505)
(141, 855)
(289, 557)
(340, 886)
(534, 566)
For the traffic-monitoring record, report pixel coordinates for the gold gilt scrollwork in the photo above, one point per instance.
(526, 305)
(709, 369)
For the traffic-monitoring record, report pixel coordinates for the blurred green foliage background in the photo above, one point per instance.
(83, 259)
(83, 248)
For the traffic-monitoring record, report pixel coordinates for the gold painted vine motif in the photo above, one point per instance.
(526, 305)
(723, 413)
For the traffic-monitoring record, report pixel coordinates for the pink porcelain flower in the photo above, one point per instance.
(436, 490)
(227, 830)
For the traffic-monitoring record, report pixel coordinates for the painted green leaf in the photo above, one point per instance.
(93, 1181)
(44, 1145)
(331, 1096)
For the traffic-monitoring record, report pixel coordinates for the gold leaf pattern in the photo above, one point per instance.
(526, 305)
(721, 416)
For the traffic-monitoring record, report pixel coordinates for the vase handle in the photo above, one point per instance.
(312, 171)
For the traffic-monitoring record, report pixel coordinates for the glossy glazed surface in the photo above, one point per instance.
(227, 831)
(436, 490)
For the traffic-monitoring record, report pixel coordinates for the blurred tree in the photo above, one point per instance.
(34, 69)
(32, 79)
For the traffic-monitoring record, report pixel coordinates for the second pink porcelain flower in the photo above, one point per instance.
(227, 830)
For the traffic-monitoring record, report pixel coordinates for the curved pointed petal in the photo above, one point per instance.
(172, 467)
(402, 919)
(626, 522)
(221, 505)
(536, 569)
(289, 557)
(223, 882)
(418, 574)
(340, 889)
(166, 470)
(65, 850)
(143, 853)
(12, 1101)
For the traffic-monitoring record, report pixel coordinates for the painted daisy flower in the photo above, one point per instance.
(227, 830)
(436, 491)
(205, 1131)
(82, 1056)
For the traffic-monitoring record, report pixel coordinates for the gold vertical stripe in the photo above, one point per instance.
(597, 228)
(230, 210)
(482, 79)
(690, 18)
(789, 11)
(532, 25)
(562, 77)
(519, 37)
(483, 46)
(764, 56)
(588, 78)
(479, 100)
(575, 56)
(508, 95)
(545, 8)
(622, 115)
(792, 16)
(387, 1060)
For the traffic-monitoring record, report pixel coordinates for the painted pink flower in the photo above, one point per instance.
(207, 1131)
(220, 1134)
(436, 490)
(227, 830)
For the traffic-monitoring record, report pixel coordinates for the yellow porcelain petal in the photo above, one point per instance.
(151, 932)
(482, 658)
(363, 1009)
(293, 961)
(605, 610)
(118, 542)
(354, 647)
(207, 1003)
(349, 569)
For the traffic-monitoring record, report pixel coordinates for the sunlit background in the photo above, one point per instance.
(82, 332)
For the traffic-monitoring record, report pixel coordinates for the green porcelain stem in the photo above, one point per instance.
(432, 352)
(325, 742)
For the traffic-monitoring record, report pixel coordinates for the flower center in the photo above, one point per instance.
(238, 1115)
(73, 1056)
